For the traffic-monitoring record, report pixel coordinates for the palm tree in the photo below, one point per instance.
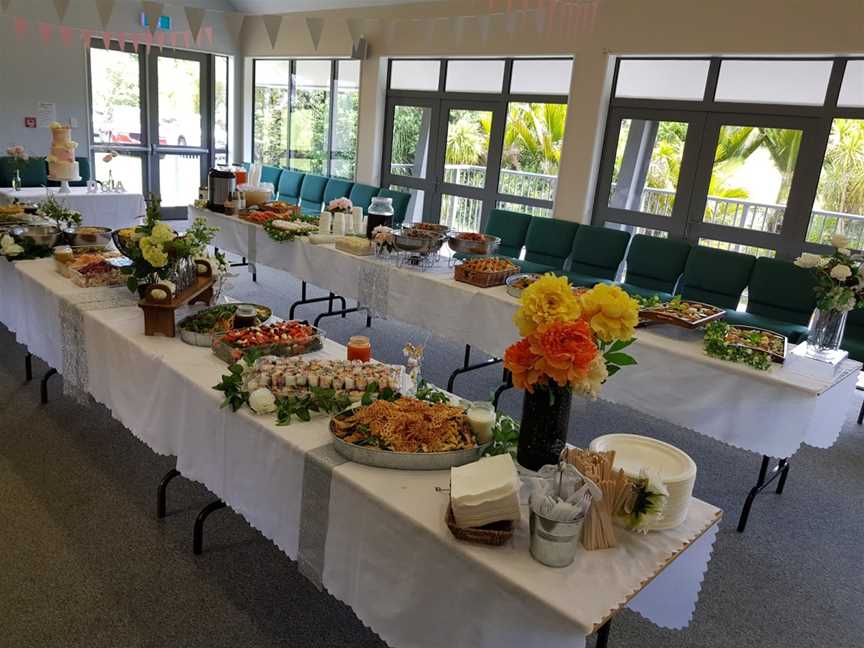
(533, 137)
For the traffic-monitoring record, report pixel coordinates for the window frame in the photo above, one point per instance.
(814, 121)
(441, 101)
(290, 153)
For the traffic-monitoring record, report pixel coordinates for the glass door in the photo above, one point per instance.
(179, 142)
(467, 168)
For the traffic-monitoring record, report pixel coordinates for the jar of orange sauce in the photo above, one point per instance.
(359, 348)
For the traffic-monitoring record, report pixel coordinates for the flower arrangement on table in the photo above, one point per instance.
(58, 213)
(18, 157)
(340, 206)
(159, 255)
(570, 344)
(839, 289)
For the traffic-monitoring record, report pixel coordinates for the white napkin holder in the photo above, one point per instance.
(808, 360)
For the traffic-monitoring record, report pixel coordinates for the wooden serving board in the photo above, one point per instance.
(670, 318)
(160, 314)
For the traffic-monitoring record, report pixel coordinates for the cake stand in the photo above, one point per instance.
(64, 183)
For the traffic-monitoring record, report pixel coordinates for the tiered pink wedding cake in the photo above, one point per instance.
(61, 159)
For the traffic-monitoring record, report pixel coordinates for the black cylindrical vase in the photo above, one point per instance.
(543, 431)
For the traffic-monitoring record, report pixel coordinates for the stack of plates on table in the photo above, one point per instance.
(674, 467)
(485, 491)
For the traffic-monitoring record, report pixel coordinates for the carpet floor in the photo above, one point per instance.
(85, 563)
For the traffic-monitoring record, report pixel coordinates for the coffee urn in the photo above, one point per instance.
(221, 185)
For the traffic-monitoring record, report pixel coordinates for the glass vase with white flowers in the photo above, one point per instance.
(839, 289)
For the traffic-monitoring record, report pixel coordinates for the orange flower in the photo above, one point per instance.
(520, 361)
(566, 350)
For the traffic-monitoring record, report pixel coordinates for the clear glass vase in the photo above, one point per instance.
(826, 329)
(16, 180)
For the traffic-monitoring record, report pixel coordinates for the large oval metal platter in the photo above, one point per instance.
(407, 460)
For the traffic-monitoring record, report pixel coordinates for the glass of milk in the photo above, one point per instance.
(481, 416)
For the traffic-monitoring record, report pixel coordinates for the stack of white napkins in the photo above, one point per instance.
(485, 491)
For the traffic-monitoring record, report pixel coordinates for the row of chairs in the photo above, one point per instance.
(34, 172)
(780, 298)
(312, 192)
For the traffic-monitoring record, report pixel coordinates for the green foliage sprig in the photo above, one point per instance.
(57, 212)
(614, 355)
(232, 386)
(426, 392)
(717, 347)
(505, 437)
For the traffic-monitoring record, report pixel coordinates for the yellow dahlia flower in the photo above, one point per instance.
(549, 299)
(161, 233)
(611, 312)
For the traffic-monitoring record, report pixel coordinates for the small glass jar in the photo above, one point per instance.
(359, 348)
(245, 316)
(380, 212)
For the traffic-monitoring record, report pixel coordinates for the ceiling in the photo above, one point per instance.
(287, 6)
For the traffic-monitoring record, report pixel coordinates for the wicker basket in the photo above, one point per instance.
(494, 535)
(482, 279)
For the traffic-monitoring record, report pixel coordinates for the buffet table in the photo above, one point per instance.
(771, 413)
(360, 532)
(114, 210)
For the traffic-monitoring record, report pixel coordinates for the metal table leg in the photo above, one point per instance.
(43, 387)
(603, 635)
(304, 299)
(467, 366)
(346, 311)
(160, 492)
(781, 470)
(198, 529)
(504, 386)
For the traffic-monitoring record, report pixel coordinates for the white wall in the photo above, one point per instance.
(31, 71)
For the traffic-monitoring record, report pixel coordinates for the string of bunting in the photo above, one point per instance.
(568, 17)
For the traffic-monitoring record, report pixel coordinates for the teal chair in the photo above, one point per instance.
(83, 172)
(337, 188)
(716, 277)
(654, 266)
(596, 255)
(289, 186)
(401, 200)
(511, 227)
(362, 194)
(312, 193)
(853, 338)
(548, 244)
(34, 172)
(781, 298)
(271, 174)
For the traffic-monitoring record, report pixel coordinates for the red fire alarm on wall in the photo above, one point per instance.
(29, 122)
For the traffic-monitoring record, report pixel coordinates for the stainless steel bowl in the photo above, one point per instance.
(464, 246)
(406, 242)
(41, 235)
(119, 244)
(512, 289)
(90, 237)
(430, 227)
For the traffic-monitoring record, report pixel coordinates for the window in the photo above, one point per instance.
(738, 170)
(306, 115)
(467, 145)
(220, 104)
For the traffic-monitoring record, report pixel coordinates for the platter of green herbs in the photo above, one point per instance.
(207, 320)
(717, 346)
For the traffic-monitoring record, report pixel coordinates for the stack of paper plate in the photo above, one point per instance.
(675, 468)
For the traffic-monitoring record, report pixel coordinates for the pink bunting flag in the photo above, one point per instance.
(187, 39)
(174, 39)
(135, 40)
(106, 39)
(147, 37)
(86, 37)
(21, 27)
(45, 31)
(208, 34)
(159, 39)
(121, 40)
(66, 35)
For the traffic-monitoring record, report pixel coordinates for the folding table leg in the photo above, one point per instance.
(467, 367)
(43, 387)
(28, 367)
(861, 414)
(198, 529)
(160, 492)
(603, 635)
(781, 470)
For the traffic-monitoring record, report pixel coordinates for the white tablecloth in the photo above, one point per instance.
(114, 210)
(768, 412)
(385, 549)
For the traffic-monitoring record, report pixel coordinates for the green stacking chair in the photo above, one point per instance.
(715, 276)
(337, 188)
(654, 266)
(853, 338)
(312, 193)
(596, 255)
(781, 298)
(83, 172)
(34, 172)
(271, 174)
(548, 244)
(511, 227)
(289, 186)
(400, 204)
(362, 194)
